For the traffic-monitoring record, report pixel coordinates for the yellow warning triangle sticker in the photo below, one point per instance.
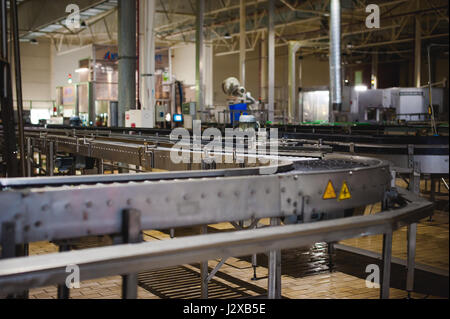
(329, 191)
(345, 192)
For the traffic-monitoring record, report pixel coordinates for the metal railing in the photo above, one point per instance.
(18, 274)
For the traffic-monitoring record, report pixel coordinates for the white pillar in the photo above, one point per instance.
(417, 54)
(242, 42)
(271, 59)
(147, 54)
(294, 46)
(208, 80)
(263, 70)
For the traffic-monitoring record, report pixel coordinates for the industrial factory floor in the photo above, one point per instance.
(305, 271)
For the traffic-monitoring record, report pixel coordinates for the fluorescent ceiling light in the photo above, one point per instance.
(81, 70)
(360, 88)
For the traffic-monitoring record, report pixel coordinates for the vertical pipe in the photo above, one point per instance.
(271, 60)
(263, 67)
(242, 41)
(4, 30)
(18, 77)
(147, 62)
(335, 58)
(127, 58)
(430, 92)
(293, 48)
(417, 53)
(29, 157)
(138, 54)
(300, 85)
(7, 110)
(199, 48)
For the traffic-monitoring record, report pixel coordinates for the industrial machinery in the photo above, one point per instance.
(372, 106)
(297, 189)
(240, 100)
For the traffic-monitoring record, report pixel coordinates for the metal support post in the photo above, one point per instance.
(386, 274)
(6, 99)
(330, 256)
(39, 163)
(30, 157)
(432, 194)
(49, 160)
(274, 282)
(11, 250)
(101, 168)
(254, 265)
(18, 78)
(131, 234)
(63, 290)
(204, 270)
(411, 237)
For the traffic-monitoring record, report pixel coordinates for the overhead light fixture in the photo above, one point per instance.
(81, 70)
(360, 88)
(227, 36)
(34, 41)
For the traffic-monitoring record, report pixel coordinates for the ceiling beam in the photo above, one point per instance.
(36, 14)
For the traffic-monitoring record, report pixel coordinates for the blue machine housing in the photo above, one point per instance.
(236, 110)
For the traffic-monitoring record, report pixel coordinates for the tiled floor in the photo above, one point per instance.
(234, 278)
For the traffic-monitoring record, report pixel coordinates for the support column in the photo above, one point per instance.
(242, 41)
(127, 58)
(147, 60)
(294, 46)
(263, 67)
(417, 54)
(335, 59)
(18, 77)
(199, 50)
(271, 60)
(300, 85)
(7, 110)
